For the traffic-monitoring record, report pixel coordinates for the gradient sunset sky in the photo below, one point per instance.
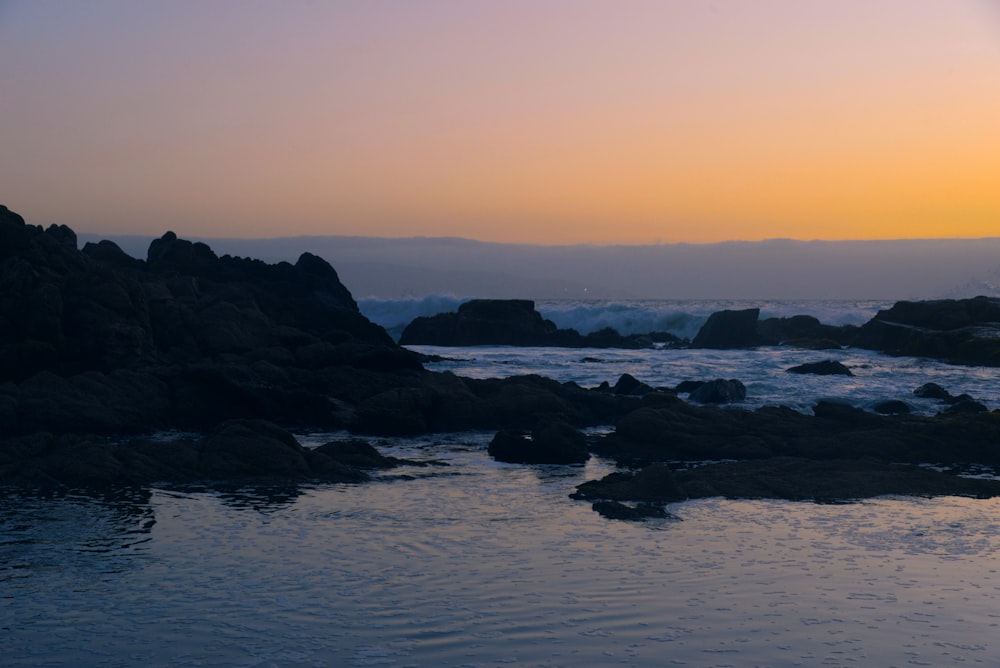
(552, 122)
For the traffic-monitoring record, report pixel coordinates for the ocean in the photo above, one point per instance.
(480, 563)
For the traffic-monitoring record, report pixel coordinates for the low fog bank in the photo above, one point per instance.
(774, 269)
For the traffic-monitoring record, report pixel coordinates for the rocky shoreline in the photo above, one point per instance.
(99, 349)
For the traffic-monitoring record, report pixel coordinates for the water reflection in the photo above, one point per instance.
(48, 532)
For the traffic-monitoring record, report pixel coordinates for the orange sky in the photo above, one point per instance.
(544, 122)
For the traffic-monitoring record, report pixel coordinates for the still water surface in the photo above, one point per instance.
(487, 564)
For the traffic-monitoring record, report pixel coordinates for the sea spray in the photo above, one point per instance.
(682, 318)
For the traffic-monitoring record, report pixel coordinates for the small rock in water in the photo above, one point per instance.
(824, 368)
(932, 391)
(615, 510)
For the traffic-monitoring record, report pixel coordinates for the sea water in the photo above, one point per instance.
(480, 563)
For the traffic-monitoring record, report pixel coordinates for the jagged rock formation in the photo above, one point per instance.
(95, 342)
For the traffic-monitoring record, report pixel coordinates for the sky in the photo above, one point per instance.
(551, 122)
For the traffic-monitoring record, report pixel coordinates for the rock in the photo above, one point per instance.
(356, 453)
(688, 386)
(481, 322)
(615, 510)
(654, 483)
(719, 391)
(802, 331)
(729, 329)
(508, 322)
(252, 448)
(964, 331)
(553, 443)
(966, 406)
(790, 478)
(891, 407)
(627, 384)
(932, 391)
(824, 368)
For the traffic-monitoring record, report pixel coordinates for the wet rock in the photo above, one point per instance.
(729, 329)
(688, 386)
(966, 406)
(824, 368)
(964, 331)
(511, 322)
(552, 443)
(615, 510)
(627, 384)
(719, 391)
(824, 481)
(932, 391)
(891, 407)
(252, 448)
(802, 331)
(357, 453)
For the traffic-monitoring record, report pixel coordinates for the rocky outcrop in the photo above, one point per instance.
(840, 453)
(796, 479)
(824, 368)
(729, 329)
(235, 450)
(719, 391)
(513, 322)
(95, 342)
(964, 331)
(803, 331)
(688, 432)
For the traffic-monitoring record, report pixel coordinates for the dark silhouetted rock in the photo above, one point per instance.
(965, 331)
(824, 368)
(628, 384)
(252, 448)
(891, 407)
(792, 478)
(729, 329)
(510, 322)
(932, 391)
(615, 510)
(719, 391)
(802, 331)
(966, 406)
(552, 443)
(688, 386)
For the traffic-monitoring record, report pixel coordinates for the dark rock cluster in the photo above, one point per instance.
(514, 322)
(98, 348)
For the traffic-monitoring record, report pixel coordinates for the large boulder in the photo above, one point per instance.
(729, 329)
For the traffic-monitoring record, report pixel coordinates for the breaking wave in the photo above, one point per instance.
(682, 318)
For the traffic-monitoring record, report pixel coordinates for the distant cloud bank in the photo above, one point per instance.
(774, 269)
